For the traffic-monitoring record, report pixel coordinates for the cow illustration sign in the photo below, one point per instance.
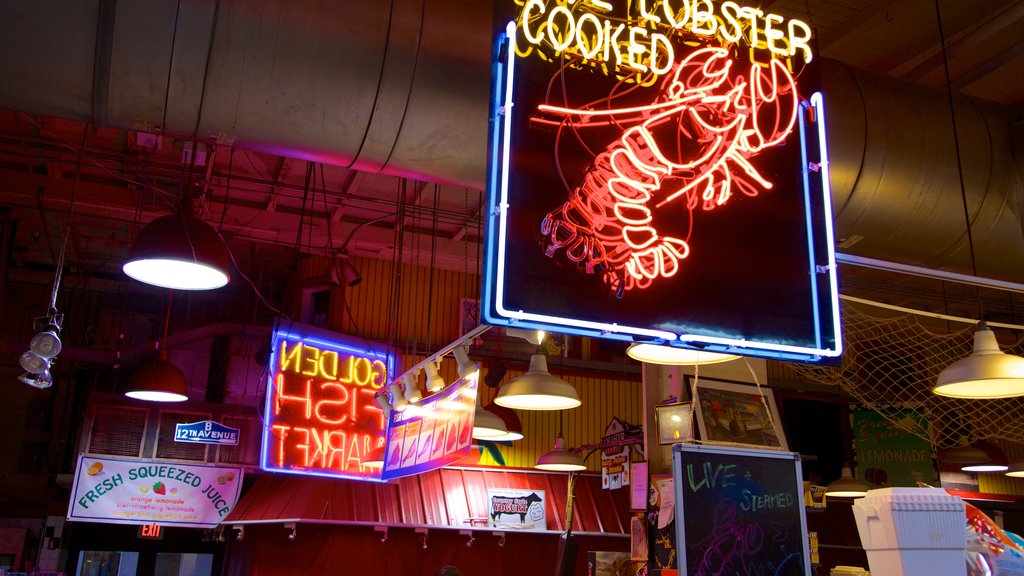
(659, 173)
(516, 509)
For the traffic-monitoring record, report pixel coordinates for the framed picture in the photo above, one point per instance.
(674, 423)
(738, 413)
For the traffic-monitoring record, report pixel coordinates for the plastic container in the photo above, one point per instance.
(913, 532)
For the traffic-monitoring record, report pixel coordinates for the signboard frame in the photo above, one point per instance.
(357, 349)
(183, 433)
(681, 479)
(820, 328)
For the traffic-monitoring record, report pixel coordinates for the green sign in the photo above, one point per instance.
(888, 454)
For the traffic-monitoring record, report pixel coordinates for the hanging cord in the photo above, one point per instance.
(959, 160)
(59, 274)
(161, 346)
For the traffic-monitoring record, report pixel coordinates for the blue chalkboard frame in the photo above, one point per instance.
(781, 463)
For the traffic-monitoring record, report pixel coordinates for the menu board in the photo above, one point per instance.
(431, 433)
(739, 511)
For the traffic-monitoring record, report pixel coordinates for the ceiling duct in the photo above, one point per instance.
(403, 89)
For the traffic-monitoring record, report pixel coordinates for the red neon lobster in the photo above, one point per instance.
(693, 142)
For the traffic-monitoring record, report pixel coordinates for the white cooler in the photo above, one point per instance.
(912, 532)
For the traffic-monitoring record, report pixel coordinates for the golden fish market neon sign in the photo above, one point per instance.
(641, 43)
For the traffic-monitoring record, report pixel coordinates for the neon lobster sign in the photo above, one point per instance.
(675, 128)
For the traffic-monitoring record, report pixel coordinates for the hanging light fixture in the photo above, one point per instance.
(349, 275)
(32, 363)
(980, 456)
(435, 383)
(398, 401)
(538, 389)
(987, 372)
(41, 380)
(46, 344)
(675, 356)
(559, 459)
(846, 486)
(381, 398)
(513, 425)
(487, 425)
(179, 251)
(1015, 469)
(160, 380)
(374, 459)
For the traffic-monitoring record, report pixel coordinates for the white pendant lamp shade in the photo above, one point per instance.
(487, 425)
(398, 401)
(847, 486)
(46, 344)
(513, 425)
(179, 251)
(673, 356)
(158, 381)
(1015, 469)
(559, 459)
(987, 373)
(538, 389)
(981, 456)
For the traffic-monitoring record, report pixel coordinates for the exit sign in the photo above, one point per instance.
(151, 531)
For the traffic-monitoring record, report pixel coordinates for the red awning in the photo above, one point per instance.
(450, 497)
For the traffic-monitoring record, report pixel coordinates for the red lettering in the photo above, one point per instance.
(343, 397)
(280, 397)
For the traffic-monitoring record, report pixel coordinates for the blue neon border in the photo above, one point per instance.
(502, 107)
(323, 340)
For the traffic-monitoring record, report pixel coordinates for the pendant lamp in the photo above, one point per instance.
(513, 425)
(179, 251)
(158, 381)
(847, 486)
(559, 459)
(1015, 469)
(538, 389)
(487, 425)
(981, 456)
(374, 459)
(41, 380)
(675, 356)
(987, 373)
(435, 383)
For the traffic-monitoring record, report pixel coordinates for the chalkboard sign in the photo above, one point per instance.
(739, 511)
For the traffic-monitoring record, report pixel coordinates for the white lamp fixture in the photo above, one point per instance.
(46, 344)
(179, 251)
(1015, 469)
(538, 389)
(41, 380)
(412, 390)
(987, 373)
(511, 420)
(981, 456)
(847, 486)
(32, 363)
(385, 407)
(674, 356)
(487, 425)
(559, 459)
(467, 369)
(435, 383)
(398, 401)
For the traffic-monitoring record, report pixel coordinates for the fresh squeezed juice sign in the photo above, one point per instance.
(122, 491)
(321, 418)
(432, 433)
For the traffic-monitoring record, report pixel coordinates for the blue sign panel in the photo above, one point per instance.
(206, 432)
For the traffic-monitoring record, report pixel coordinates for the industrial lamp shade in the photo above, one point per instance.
(1015, 469)
(179, 251)
(374, 458)
(559, 459)
(673, 356)
(847, 486)
(158, 381)
(538, 390)
(987, 373)
(42, 380)
(511, 420)
(981, 456)
(435, 383)
(46, 344)
(467, 368)
(33, 363)
(487, 425)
